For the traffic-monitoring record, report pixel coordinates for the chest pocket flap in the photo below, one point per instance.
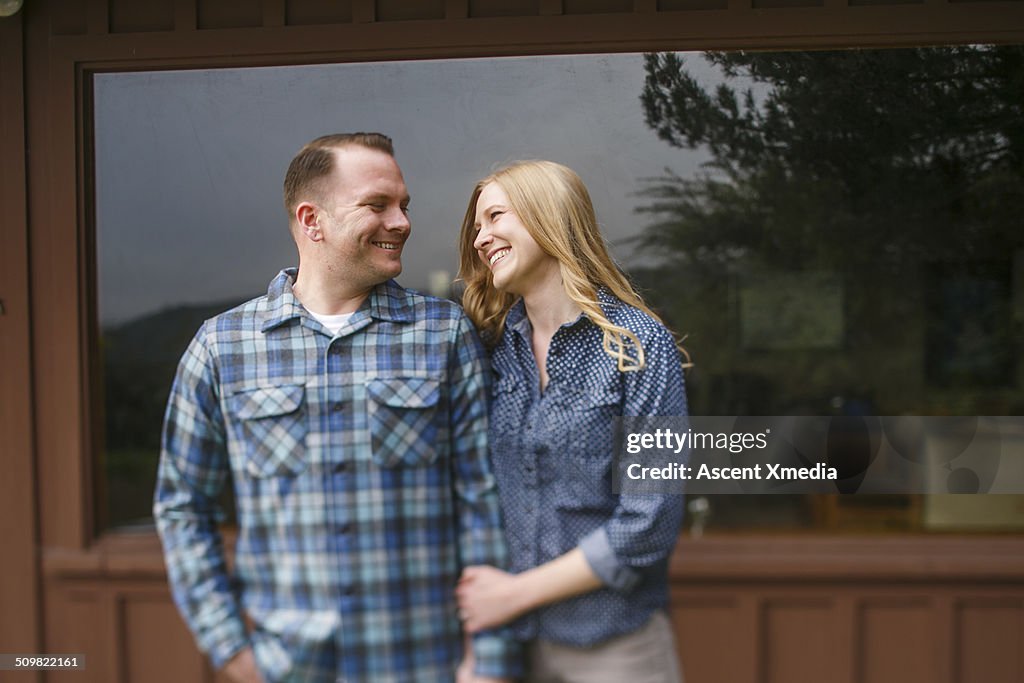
(272, 427)
(403, 420)
(267, 401)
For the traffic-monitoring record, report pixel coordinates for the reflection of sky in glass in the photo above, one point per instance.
(189, 164)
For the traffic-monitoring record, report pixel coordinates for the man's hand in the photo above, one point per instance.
(242, 668)
(488, 597)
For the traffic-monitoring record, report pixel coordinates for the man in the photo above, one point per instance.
(351, 416)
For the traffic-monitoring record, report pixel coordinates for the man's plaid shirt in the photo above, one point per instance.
(361, 480)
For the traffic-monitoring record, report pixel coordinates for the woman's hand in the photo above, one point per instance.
(464, 673)
(488, 597)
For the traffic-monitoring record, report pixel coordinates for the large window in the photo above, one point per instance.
(833, 232)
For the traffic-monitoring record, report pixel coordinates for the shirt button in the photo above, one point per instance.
(342, 466)
(345, 527)
(338, 407)
(349, 590)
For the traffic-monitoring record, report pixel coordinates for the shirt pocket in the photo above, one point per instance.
(403, 420)
(507, 410)
(272, 426)
(586, 477)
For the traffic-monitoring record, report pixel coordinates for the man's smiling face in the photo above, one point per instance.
(364, 216)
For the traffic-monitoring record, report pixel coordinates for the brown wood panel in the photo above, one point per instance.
(97, 15)
(213, 14)
(991, 641)
(709, 632)
(799, 640)
(504, 8)
(456, 9)
(400, 10)
(131, 16)
(690, 5)
(307, 12)
(723, 29)
(57, 293)
(892, 558)
(273, 13)
(69, 17)
(81, 620)
(847, 664)
(897, 641)
(158, 647)
(597, 6)
(186, 16)
(20, 621)
(741, 631)
(770, 4)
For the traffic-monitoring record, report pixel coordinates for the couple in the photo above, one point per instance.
(350, 416)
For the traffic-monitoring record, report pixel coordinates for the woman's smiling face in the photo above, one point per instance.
(505, 245)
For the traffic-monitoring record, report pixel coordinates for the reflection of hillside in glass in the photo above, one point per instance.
(139, 360)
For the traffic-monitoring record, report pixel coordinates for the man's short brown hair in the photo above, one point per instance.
(316, 161)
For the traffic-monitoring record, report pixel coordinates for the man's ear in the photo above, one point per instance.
(307, 215)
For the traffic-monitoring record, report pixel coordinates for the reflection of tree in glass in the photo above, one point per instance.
(876, 166)
(886, 155)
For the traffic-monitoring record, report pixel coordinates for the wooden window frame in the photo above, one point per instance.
(59, 73)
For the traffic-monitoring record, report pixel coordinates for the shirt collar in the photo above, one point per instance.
(518, 321)
(387, 301)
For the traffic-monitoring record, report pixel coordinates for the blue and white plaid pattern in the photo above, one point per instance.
(552, 455)
(362, 486)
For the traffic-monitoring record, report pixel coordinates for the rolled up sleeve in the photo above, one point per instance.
(644, 527)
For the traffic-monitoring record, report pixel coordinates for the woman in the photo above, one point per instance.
(573, 346)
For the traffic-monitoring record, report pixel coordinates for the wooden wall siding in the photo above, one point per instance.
(737, 612)
(740, 632)
(848, 633)
(690, 18)
(129, 630)
(853, 610)
(19, 589)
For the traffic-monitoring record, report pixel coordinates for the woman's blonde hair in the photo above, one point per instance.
(554, 206)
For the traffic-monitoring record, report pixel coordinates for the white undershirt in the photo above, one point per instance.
(332, 322)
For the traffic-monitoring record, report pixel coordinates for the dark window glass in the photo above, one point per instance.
(834, 233)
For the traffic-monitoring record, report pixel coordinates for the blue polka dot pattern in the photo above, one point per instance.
(552, 456)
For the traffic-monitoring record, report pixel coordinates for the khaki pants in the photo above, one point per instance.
(644, 656)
